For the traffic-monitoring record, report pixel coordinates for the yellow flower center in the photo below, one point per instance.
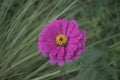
(61, 39)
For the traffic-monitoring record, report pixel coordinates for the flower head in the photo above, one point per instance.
(62, 41)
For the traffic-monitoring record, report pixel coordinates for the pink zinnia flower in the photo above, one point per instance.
(62, 41)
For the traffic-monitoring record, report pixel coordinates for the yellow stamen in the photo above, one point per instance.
(61, 39)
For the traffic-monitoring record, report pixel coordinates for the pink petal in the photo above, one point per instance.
(60, 58)
(84, 49)
(68, 56)
(69, 60)
(47, 37)
(76, 57)
(83, 45)
(69, 51)
(49, 33)
(54, 52)
(75, 24)
(57, 27)
(53, 61)
(72, 46)
(46, 46)
(63, 23)
(61, 63)
(79, 36)
(73, 41)
(79, 52)
(46, 54)
(84, 38)
(53, 27)
(61, 52)
(74, 33)
(72, 25)
(80, 45)
(70, 28)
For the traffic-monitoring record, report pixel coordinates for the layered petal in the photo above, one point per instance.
(54, 53)
(76, 57)
(63, 25)
(61, 62)
(53, 61)
(72, 26)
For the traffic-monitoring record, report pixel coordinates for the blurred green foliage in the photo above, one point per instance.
(22, 20)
